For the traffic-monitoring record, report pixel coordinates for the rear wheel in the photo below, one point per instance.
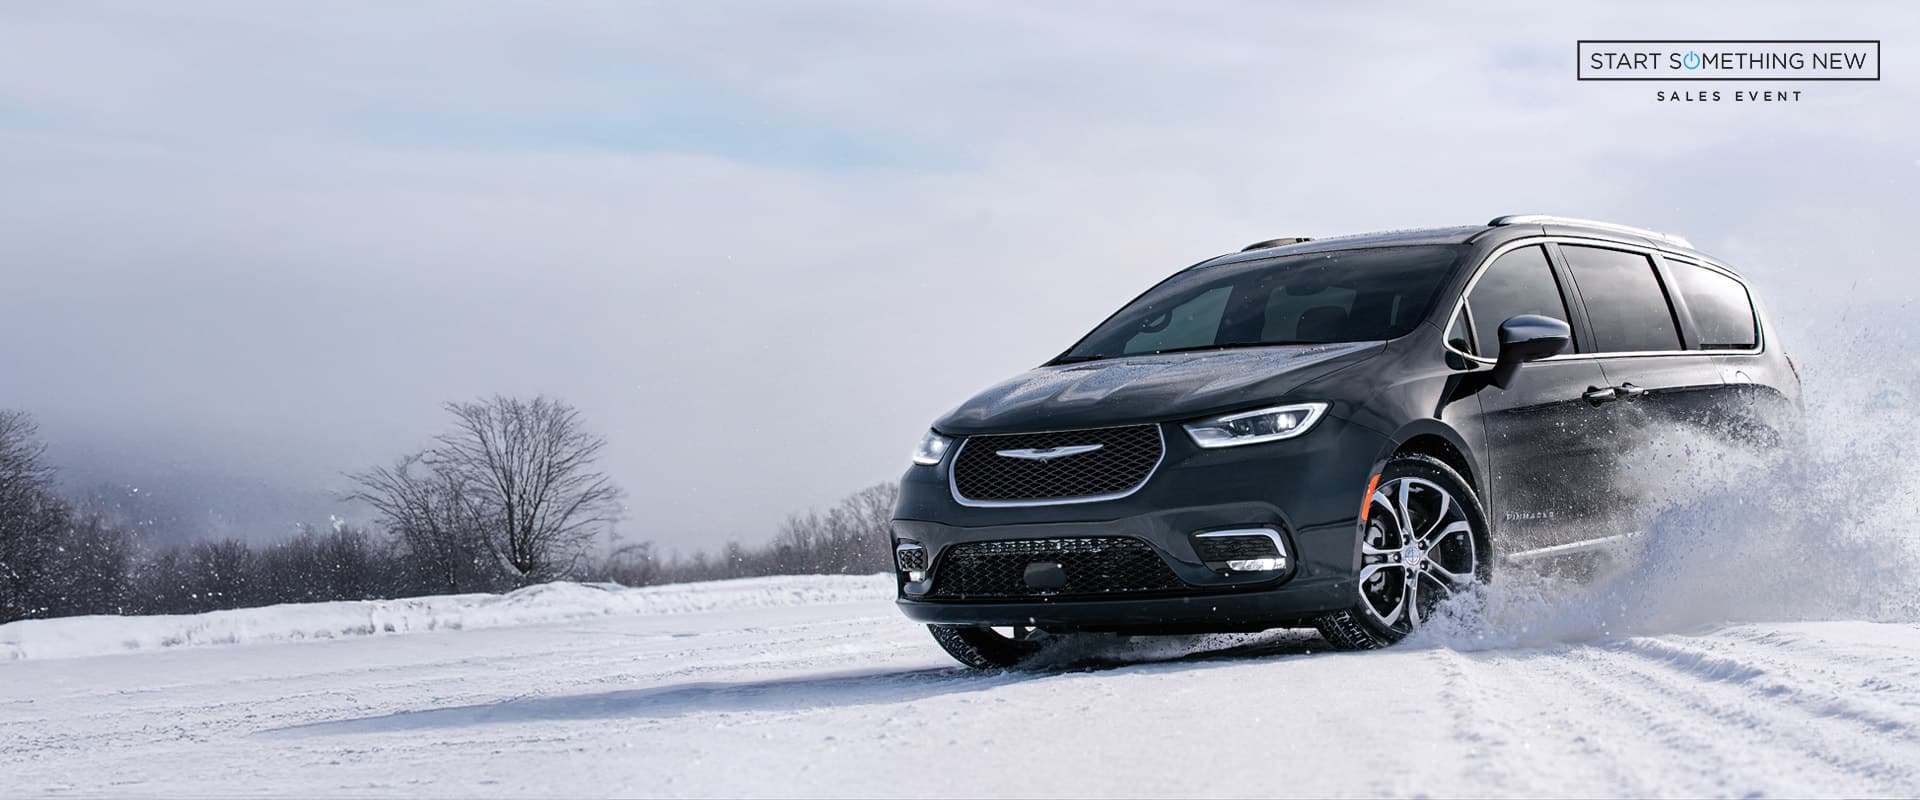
(1424, 540)
(982, 647)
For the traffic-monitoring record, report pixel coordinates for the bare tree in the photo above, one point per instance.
(223, 575)
(91, 569)
(510, 495)
(340, 564)
(425, 502)
(529, 468)
(348, 561)
(866, 517)
(33, 519)
(853, 537)
(23, 470)
(630, 565)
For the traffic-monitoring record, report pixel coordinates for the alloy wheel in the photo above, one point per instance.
(1418, 549)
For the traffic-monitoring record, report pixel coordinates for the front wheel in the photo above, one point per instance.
(1424, 540)
(982, 647)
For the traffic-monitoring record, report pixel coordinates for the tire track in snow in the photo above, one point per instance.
(1499, 701)
(1777, 683)
(1605, 703)
(1752, 719)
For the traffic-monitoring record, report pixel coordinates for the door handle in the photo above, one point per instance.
(1597, 394)
(1629, 390)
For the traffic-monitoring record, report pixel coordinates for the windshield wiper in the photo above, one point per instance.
(1080, 359)
(1223, 346)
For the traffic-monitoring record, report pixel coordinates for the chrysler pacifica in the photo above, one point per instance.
(1336, 433)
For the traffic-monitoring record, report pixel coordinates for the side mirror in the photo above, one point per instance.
(1528, 337)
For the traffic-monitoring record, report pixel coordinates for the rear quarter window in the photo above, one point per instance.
(1722, 310)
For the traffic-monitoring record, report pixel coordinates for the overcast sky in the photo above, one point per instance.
(761, 246)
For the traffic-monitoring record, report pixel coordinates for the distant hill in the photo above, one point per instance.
(168, 504)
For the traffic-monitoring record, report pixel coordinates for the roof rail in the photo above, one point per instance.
(1275, 243)
(1549, 219)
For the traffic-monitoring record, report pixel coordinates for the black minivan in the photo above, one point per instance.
(1337, 433)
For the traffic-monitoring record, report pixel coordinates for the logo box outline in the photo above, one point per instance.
(1579, 76)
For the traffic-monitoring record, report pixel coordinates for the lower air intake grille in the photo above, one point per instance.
(912, 557)
(1098, 565)
(1234, 548)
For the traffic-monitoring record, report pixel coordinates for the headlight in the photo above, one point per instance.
(1250, 427)
(932, 447)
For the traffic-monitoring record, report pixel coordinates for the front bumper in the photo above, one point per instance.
(1309, 489)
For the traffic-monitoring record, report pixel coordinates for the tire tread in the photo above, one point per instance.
(978, 648)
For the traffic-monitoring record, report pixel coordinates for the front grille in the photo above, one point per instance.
(1095, 565)
(1126, 456)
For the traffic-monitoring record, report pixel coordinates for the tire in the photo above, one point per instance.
(981, 647)
(1445, 551)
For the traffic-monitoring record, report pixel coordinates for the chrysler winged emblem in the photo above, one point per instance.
(1046, 453)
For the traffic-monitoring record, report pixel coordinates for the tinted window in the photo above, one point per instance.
(1722, 311)
(1520, 282)
(1358, 295)
(1625, 306)
(1192, 323)
(1290, 316)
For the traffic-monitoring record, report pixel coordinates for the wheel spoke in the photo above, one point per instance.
(1413, 600)
(1456, 529)
(1429, 537)
(1391, 619)
(1367, 573)
(1440, 566)
(1448, 576)
(1405, 515)
(1380, 499)
(1370, 570)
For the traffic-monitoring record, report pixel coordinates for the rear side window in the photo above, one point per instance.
(1722, 310)
(1625, 305)
(1520, 282)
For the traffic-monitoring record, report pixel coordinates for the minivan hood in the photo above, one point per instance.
(1147, 388)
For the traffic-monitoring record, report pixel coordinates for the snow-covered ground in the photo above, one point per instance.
(552, 602)
(816, 686)
(1763, 641)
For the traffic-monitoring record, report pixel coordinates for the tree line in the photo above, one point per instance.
(510, 495)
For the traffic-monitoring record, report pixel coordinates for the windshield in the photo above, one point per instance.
(1341, 296)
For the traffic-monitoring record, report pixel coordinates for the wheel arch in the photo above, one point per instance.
(1440, 441)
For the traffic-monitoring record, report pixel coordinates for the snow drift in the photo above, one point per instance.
(553, 602)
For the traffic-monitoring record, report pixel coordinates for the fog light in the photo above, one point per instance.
(1258, 565)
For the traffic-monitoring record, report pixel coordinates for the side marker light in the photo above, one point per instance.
(1366, 501)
